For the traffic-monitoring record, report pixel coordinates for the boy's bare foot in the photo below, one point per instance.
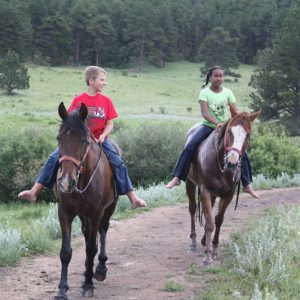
(174, 182)
(27, 195)
(138, 202)
(249, 189)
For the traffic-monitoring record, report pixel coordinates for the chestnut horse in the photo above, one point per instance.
(84, 188)
(216, 170)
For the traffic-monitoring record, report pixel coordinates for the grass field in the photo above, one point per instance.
(165, 94)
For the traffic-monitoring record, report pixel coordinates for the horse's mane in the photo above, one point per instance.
(75, 124)
(241, 119)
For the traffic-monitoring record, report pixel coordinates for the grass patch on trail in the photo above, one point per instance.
(262, 263)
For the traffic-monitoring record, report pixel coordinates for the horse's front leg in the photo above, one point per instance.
(209, 227)
(190, 191)
(100, 273)
(87, 287)
(65, 255)
(223, 204)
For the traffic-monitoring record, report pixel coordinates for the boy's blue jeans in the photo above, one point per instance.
(185, 159)
(48, 173)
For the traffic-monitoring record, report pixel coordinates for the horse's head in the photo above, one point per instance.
(236, 133)
(74, 142)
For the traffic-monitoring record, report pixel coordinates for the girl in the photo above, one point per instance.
(101, 113)
(214, 102)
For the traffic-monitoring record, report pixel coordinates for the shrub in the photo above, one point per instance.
(21, 157)
(10, 246)
(151, 150)
(273, 152)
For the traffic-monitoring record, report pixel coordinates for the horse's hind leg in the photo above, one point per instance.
(219, 218)
(100, 273)
(87, 287)
(190, 191)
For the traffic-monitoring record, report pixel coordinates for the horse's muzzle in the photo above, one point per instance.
(66, 184)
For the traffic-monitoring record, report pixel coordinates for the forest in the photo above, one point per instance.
(117, 32)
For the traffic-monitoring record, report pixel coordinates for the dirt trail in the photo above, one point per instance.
(144, 253)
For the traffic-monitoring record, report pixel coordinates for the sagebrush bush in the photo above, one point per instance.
(21, 156)
(10, 246)
(151, 150)
(273, 152)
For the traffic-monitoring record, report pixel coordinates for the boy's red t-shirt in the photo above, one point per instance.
(100, 110)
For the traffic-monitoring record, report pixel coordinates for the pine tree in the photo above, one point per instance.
(13, 75)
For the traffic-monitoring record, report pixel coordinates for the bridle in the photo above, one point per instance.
(79, 164)
(230, 148)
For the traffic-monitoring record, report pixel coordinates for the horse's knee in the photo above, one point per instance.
(209, 226)
(66, 254)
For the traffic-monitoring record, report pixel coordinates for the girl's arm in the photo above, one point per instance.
(107, 130)
(233, 109)
(205, 114)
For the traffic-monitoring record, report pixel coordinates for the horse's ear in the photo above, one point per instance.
(83, 112)
(254, 115)
(62, 111)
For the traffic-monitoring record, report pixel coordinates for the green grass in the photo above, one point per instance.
(261, 263)
(165, 94)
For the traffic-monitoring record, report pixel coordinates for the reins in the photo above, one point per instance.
(91, 178)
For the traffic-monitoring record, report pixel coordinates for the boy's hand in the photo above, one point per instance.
(102, 138)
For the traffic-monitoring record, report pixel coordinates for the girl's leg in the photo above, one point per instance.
(45, 178)
(184, 162)
(247, 176)
(123, 182)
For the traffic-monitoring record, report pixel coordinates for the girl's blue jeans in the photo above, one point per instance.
(185, 159)
(48, 173)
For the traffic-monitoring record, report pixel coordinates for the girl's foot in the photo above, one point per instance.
(249, 189)
(174, 182)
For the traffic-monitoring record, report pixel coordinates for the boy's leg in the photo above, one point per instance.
(123, 182)
(45, 178)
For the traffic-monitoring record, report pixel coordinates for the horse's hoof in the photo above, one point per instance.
(100, 276)
(215, 255)
(203, 241)
(207, 263)
(193, 247)
(100, 273)
(87, 291)
(61, 297)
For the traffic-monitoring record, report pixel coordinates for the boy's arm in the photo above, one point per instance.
(107, 130)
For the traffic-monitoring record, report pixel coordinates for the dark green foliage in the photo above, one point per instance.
(151, 150)
(276, 79)
(21, 157)
(117, 32)
(13, 75)
(218, 48)
(272, 152)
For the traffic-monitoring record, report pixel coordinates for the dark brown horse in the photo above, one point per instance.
(84, 188)
(216, 170)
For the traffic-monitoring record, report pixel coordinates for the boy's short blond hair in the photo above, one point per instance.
(92, 72)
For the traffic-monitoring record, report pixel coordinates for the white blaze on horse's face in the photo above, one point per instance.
(239, 135)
